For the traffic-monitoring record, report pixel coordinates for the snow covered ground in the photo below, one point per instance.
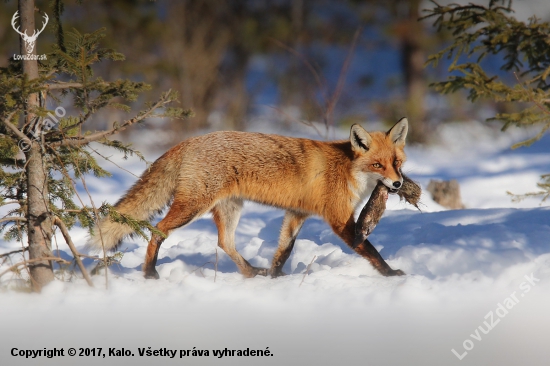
(476, 292)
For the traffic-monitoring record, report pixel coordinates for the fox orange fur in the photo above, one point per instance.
(218, 171)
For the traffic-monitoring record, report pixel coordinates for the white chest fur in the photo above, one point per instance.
(365, 182)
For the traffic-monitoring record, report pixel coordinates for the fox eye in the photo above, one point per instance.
(397, 163)
(377, 165)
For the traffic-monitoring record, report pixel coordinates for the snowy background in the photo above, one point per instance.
(460, 266)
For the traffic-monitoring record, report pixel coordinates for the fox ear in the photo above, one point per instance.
(360, 138)
(398, 133)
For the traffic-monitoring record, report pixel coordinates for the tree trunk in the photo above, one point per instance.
(203, 37)
(39, 224)
(413, 59)
(236, 96)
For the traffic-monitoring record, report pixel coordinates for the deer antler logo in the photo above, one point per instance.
(29, 40)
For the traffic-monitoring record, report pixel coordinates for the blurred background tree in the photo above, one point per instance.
(231, 61)
(479, 31)
(399, 19)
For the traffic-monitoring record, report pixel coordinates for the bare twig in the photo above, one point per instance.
(12, 218)
(14, 252)
(83, 140)
(322, 85)
(14, 129)
(9, 203)
(102, 263)
(307, 123)
(95, 257)
(112, 162)
(199, 268)
(96, 217)
(74, 211)
(61, 225)
(307, 270)
(61, 85)
(81, 120)
(331, 103)
(24, 263)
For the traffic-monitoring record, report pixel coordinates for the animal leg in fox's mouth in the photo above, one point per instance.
(371, 213)
(376, 205)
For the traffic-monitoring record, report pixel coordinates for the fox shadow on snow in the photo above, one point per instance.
(397, 233)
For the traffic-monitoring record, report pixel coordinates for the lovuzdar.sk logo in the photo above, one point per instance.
(30, 41)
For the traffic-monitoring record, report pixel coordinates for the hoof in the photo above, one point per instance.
(153, 275)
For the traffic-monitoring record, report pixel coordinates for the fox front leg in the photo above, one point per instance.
(367, 221)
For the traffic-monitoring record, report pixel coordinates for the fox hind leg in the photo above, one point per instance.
(292, 223)
(226, 217)
(180, 214)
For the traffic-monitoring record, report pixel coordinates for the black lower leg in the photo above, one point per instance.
(368, 251)
(149, 270)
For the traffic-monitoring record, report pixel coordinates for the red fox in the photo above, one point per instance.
(218, 171)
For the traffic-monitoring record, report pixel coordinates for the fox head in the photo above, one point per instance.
(380, 154)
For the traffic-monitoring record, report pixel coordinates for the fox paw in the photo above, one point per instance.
(260, 271)
(276, 273)
(395, 272)
(151, 275)
(254, 271)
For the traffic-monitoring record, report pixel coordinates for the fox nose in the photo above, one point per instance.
(397, 184)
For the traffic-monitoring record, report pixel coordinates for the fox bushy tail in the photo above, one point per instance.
(150, 194)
